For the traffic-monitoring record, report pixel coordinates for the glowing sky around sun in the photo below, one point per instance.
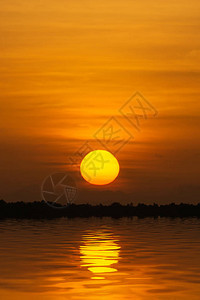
(68, 66)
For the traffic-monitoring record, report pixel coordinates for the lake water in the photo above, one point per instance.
(100, 259)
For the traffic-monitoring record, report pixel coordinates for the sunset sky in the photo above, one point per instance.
(66, 67)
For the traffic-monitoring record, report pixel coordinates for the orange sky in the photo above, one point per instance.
(67, 66)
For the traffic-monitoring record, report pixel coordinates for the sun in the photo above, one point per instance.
(99, 167)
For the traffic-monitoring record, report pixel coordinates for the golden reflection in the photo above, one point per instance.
(99, 252)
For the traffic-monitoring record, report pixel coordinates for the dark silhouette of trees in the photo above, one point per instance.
(39, 210)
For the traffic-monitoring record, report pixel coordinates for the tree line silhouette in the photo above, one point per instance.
(40, 210)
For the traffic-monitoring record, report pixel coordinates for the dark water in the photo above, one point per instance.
(100, 259)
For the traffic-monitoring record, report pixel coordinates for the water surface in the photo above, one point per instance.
(100, 259)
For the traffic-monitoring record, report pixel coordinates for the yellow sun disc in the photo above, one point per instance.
(99, 167)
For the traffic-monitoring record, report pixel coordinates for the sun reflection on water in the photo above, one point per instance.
(99, 252)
